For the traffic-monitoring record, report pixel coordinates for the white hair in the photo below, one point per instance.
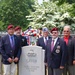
(67, 27)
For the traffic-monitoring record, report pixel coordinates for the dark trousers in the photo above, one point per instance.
(69, 70)
(52, 71)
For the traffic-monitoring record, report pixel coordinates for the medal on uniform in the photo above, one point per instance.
(22, 39)
(57, 51)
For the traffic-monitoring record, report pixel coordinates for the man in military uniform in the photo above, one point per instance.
(23, 40)
(55, 54)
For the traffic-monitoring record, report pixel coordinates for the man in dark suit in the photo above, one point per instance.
(0, 60)
(55, 55)
(70, 42)
(23, 40)
(11, 50)
(43, 40)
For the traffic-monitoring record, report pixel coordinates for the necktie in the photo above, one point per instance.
(45, 40)
(52, 45)
(12, 42)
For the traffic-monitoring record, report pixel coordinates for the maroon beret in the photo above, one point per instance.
(54, 29)
(17, 28)
(10, 26)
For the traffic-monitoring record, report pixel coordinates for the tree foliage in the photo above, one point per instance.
(14, 12)
(63, 1)
(49, 14)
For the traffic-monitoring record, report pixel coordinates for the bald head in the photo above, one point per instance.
(66, 30)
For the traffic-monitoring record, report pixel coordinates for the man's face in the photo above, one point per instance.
(11, 31)
(45, 34)
(18, 32)
(54, 34)
(66, 32)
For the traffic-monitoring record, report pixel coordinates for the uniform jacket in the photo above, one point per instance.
(40, 42)
(70, 50)
(57, 57)
(23, 40)
(6, 49)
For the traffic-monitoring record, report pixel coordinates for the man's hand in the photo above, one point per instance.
(74, 62)
(61, 67)
(46, 64)
(10, 60)
(16, 59)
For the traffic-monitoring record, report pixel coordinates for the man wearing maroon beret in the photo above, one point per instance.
(55, 55)
(11, 51)
(23, 40)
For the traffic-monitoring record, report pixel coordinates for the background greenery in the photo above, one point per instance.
(29, 13)
(53, 14)
(14, 12)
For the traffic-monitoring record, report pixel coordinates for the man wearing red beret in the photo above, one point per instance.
(23, 40)
(11, 51)
(55, 55)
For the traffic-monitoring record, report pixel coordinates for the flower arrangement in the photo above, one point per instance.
(31, 35)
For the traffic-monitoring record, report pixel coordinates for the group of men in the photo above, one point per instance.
(59, 52)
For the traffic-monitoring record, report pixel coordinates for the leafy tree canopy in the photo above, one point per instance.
(14, 12)
(49, 14)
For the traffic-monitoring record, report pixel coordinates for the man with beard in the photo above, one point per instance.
(23, 40)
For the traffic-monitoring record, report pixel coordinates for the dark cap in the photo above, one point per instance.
(54, 29)
(10, 26)
(17, 28)
(45, 29)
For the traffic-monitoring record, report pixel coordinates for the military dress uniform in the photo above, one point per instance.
(55, 55)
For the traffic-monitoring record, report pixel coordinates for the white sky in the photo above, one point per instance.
(40, 1)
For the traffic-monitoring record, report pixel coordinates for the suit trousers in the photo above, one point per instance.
(52, 71)
(9, 69)
(69, 70)
(0, 64)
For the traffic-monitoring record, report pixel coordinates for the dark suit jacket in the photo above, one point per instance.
(6, 49)
(40, 42)
(70, 50)
(23, 40)
(57, 57)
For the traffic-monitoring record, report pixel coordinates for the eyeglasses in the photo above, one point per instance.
(65, 31)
